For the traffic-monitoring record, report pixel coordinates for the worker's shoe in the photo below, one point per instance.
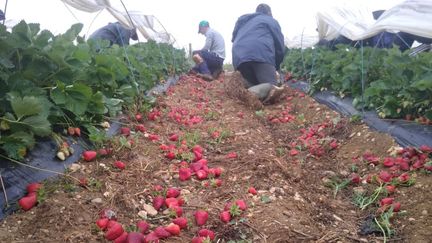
(206, 77)
(273, 95)
(216, 73)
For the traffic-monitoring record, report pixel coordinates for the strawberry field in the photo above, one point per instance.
(197, 166)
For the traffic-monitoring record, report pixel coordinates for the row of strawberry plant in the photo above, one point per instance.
(396, 85)
(52, 82)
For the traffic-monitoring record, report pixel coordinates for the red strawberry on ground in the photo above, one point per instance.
(158, 202)
(355, 178)
(201, 174)
(162, 233)
(293, 152)
(232, 155)
(174, 137)
(390, 189)
(241, 204)
(333, 145)
(206, 233)
(216, 182)
(196, 166)
(103, 152)
(177, 210)
(198, 239)
(197, 148)
(396, 206)
(404, 177)
(164, 147)
(28, 202)
(158, 188)
(33, 187)
(185, 174)
(115, 231)
(197, 155)
(170, 155)
(102, 223)
(252, 191)
(89, 155)
(201, 217)
(386, 201)
(385, 176)
(225, 216)
(152, 237)
(140, 128)
(142, 226)
(119, 165)
(173, 229)
(388, 162)
(172, 192)
(171, 201)
(181, 222)
(124, 238)
(125, 131)
(138, 117)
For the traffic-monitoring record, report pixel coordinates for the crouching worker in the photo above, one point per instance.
(115, 33)
(258, 50)
(209, 60)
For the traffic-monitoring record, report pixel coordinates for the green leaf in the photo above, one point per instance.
(428, 114)
(97, 104)
(78, 98)
(6, 63)
(424, 84)
(74, 98)
(14, 149)
(22, 33)
(26, 106)
(72, 33)
(114, 105)
(42, 39)
(58, 93)
(26, 138)
(38, 124)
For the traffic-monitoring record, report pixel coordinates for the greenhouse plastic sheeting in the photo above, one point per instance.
(357, 23)
(17, 177)
(404, 132)
(147, 25)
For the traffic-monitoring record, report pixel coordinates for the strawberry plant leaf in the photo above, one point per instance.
(25, 138)
(14, 149)
(25, 106)
(38, 124)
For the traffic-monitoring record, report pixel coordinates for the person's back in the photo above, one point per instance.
(258, 50)
(257, 37)
(115, 33)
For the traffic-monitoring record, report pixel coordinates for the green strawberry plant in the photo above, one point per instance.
(52, 82)
(396, 84)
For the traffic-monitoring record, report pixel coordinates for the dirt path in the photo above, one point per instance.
(289, 152)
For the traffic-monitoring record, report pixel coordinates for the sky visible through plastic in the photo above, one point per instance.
(181, 18)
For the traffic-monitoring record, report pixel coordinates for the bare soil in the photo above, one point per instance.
(293, 202)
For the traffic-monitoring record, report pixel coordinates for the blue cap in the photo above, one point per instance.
(203, 23)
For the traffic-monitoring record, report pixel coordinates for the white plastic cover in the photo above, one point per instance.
(147, 25)
(411, 16)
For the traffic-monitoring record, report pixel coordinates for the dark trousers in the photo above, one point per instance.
(212, 62)
(258, 73)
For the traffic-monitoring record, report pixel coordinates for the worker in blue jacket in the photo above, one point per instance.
(258, 51)
(115, 33)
